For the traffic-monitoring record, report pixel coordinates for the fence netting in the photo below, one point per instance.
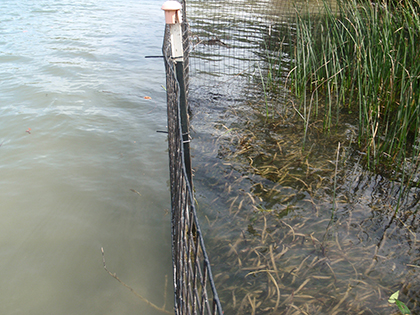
(224, 42)
(233, 39)
(194, 288)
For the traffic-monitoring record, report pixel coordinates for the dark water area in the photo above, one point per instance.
(293, 229)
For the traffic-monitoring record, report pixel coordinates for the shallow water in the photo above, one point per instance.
(78, 139)
(290, 230)
(279, 238)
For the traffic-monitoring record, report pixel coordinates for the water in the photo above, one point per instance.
(78, 141)
(289, 230)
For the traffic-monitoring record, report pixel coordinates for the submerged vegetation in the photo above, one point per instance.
(297, 231)
(362, 58)
(313, 230)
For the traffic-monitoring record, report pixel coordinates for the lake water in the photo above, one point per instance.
(81, 164)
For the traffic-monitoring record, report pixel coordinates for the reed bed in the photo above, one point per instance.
(363, 58)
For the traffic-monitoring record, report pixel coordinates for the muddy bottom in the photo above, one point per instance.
(292, 229)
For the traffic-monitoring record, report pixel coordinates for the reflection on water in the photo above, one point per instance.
(292, 231)
(76, 137)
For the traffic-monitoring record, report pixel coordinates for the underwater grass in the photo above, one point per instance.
(362, 58)
(303, 232)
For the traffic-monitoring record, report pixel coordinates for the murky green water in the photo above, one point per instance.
(292, 231)
(77, 137)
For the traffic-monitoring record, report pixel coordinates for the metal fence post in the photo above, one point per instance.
(194, 289)
(173, 19)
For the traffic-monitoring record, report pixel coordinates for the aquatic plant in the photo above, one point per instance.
(393, 299)
(362, 58)
(301, 232)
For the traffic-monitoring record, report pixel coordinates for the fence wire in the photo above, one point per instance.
(235, 38)
(225, 42)
(194, 289)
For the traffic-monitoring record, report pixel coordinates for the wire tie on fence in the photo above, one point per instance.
(153, 56)
(175, 58)
(161, 131)
(187, 136)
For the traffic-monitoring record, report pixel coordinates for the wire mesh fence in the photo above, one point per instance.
(224, 41)
(223, 46)
(231, 38)
(194, 288)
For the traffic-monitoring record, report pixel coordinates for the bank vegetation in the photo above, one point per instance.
(363, 58)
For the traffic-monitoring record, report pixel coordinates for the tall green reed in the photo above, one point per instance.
(363, 58)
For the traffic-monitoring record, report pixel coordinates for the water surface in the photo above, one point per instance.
(78, 141)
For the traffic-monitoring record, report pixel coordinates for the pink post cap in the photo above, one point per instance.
(172, 12)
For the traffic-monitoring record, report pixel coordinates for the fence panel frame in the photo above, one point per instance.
(194, 288)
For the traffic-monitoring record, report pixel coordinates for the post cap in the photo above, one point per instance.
(171, 5)
(172, 11)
